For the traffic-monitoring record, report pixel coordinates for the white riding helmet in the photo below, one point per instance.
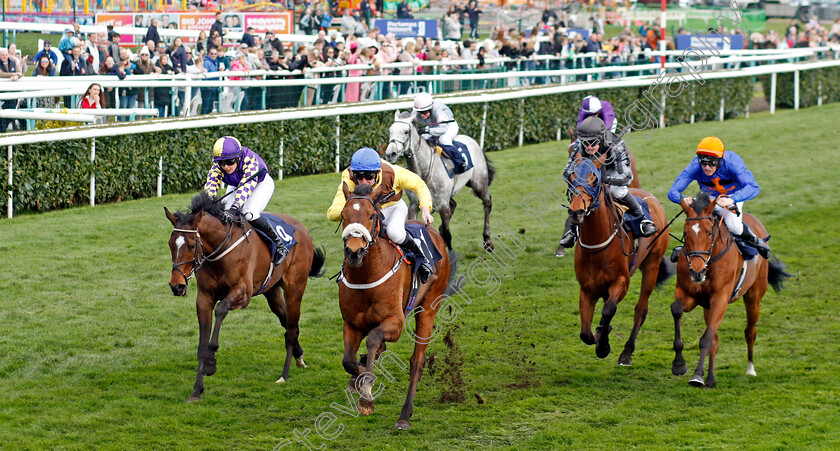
(591, 105)
(423, 102)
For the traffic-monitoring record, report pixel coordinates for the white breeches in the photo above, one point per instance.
(257, 202)
(448, 137)
(733, 222)
(394, 222)
(618, 191)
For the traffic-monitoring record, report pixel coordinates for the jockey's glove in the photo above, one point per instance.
(608, 179)
(426, 136)
(231, 215)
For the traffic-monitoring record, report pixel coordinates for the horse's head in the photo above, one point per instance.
(584, 182)
(362, 221)
(401, 136)
(700, 231)
(186, 243)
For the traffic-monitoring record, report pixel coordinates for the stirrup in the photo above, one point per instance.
(424, 272)
(568, 239)
(280, 254)
(651, 224)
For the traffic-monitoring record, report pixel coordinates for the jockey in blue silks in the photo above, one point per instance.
(233, 164)
(592, 106)
(440, 122)
(722, 174)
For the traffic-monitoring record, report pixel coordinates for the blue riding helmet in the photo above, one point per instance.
(365, 159)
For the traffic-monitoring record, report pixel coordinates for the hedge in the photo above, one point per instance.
(56, 175)
(809, 87)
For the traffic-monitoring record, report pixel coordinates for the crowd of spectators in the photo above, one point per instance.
(351, 40)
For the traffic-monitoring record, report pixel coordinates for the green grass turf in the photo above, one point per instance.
(97, 353)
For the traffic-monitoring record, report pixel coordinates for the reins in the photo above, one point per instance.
(199, 257)
(708, 258)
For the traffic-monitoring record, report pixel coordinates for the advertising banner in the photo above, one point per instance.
(407, 28)
(713, 40)
(279, 23)
(118, 20)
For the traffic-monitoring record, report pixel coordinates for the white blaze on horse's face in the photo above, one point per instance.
(356, 207)
(696, 229)
(178, 243)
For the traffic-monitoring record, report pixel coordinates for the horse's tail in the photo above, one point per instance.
(317, 269)
(666, 271)
(491, 171)
(777, 275)
(454, 285)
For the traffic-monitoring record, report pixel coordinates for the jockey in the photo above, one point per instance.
(592, 106)
(233, 164)
(440, 122)
(724, 175)
(367, 168)
(616, 170)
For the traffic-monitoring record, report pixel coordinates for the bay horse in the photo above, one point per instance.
(606, 256)
(708, 271)
(230, 264)
(421, 159)
(561, 251)
(373, 295)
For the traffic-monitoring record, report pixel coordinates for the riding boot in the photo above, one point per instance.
(425, 270)
(635, 211)
(569, 235)
(455, 155)
(760, 245)
(281, 252)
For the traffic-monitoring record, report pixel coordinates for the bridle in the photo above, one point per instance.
(373, 231)
(707, 256)
(404, 147)
(199, 257)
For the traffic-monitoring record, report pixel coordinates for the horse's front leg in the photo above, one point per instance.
(204, 311)
(413, 206)
(682, 303)
(602, 332)
(587, 312)
(352, 340)
(488, 207)
(709, 341)
(445, 212)
(221, 311)
(425, 323)
(389, 329)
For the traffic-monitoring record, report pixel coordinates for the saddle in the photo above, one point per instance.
(430, 254)
(451, 170)
(633, 225)
(283, 229)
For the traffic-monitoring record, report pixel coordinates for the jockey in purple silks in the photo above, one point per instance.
(592, 106)
(236, 166)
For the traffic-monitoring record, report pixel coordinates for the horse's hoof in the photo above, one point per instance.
(588, 339)
(750, 369)
(403, 425)
(209, 367)
(193, 398)
(625, 359)
(366, 407)
(280, 381)
(602, 351)
(488, 246)
(710, 384)
(679, 370)
(300, 362)
(696, 381)
(560, 252)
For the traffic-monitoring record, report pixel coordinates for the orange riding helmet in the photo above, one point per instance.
(711, 146)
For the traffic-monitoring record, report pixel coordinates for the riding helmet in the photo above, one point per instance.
(226, 147)
(712, 146)
(591, 105)
(365, 159)
(591, 127)
(423, 102)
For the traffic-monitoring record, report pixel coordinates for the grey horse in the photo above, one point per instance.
(405, 141)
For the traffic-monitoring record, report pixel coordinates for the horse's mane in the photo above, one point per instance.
(200, 202)
(701, 201)
(362, 190)
(405, 114)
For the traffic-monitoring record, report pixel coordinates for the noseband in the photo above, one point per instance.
(374, 230)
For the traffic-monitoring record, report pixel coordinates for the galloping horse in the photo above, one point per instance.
(421, 159)
(713, 275)
(606, 257)
(230, 265)
(561, 251)
(373, 294)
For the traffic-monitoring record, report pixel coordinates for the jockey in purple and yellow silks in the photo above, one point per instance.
(366, 167)
(234, 164)
(724, 176)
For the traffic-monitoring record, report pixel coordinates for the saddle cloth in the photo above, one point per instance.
(283, 229)
(447, 163)
(420, 235)
(634, 224)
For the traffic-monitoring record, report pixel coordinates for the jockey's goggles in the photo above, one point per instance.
(365, 175)
(708, 160)
(589, 142)
(229, 162)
